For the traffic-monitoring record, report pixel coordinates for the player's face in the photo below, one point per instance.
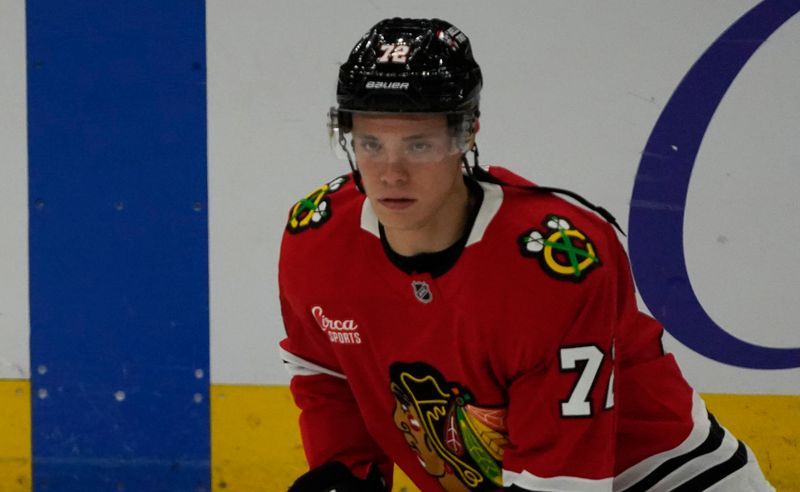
(411, 171)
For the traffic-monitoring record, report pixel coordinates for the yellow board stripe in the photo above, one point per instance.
(770, 425)
(255, 441)
(15, 436)
(255, 444)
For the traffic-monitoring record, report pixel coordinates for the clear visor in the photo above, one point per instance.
(427, 145)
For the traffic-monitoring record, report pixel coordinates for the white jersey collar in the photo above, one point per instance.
(492, 200)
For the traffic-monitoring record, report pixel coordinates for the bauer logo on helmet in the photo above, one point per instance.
(377, 84)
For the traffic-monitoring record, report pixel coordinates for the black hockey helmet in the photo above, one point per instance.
(410, 65)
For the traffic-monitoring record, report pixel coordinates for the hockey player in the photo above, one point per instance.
(477, 331)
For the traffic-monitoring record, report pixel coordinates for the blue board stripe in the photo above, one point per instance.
(118, 245)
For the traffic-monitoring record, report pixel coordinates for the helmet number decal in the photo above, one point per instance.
(394, 53)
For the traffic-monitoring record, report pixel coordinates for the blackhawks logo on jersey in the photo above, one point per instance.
(564, 252)
(315, 209)
(456, 441)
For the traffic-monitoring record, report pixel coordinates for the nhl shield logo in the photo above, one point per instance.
(422, 291)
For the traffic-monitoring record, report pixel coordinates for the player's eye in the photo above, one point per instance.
(420, 146)
(370, 146)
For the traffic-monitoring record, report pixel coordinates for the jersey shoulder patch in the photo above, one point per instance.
(563, 251)
(314, 209)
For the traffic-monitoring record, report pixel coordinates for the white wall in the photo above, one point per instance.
(14, 324)
(743, 213)
(572, 91)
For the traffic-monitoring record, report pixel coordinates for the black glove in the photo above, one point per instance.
(335, 477)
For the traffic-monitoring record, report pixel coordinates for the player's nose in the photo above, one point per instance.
(395, 168)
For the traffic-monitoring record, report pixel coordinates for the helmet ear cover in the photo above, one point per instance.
(344, 121)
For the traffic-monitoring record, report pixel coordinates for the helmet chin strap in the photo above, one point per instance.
(356, 172)
(470, 168)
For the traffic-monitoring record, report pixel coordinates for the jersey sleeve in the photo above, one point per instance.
(331, 425)
(561, 410)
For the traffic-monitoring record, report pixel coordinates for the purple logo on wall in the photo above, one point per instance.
(659, 195)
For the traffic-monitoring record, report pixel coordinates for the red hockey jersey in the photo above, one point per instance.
(526, 363)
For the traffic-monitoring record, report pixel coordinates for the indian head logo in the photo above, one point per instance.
(343, 331)
(455, 440)
(563, 251)
(315, 208)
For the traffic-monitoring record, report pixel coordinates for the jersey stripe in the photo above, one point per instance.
(717, 473)
(707, 456)
(712, 442)
(697, 436)
(700, 464)
(297, 366)
(529, 481)
(697, 464)
(747, 478)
